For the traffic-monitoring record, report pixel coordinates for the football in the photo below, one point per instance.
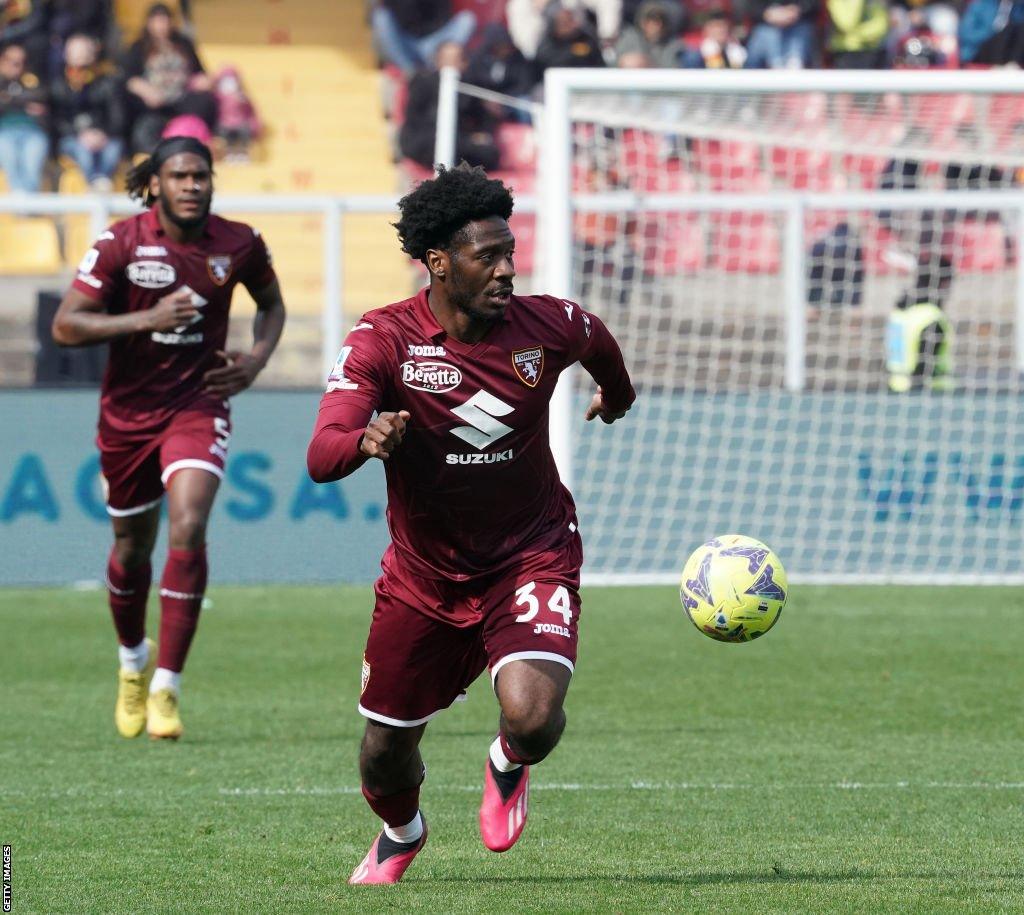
(733, 588)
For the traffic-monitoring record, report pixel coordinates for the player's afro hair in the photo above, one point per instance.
(439, 208)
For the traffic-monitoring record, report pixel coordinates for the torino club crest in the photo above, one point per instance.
(219, 268)
(529, 364)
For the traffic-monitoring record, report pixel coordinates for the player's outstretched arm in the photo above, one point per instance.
(384, 434)
(598, 408)
(240, 369)
(82, 321)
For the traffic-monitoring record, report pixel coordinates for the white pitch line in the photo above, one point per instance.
(659, 786)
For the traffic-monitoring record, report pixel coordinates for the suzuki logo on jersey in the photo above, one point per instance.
(529, 364)
(416, 350)
(151, 274)
(499, 457)
(433, 377)
(481, 411)
(219, 268)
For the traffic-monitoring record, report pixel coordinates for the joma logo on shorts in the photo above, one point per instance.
(553, 628)
(496, 458)
(435, 377)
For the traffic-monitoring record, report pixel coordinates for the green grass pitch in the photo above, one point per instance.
(866, 756)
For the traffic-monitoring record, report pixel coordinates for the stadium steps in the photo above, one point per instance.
(312, 74)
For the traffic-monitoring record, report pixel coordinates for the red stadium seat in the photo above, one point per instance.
(671, 243)
(524, 227)
(979, 246)
(731, 165)
(518, 146)
(865, 168)
(747, 243)
(805, 169)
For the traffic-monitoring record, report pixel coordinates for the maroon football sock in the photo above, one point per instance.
(128, 590)
(395, 809)
(511, 755)
(181, 596)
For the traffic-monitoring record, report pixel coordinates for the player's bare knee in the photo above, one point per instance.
(132, 552)
(385, 758)
(188, 531)
(534, 731)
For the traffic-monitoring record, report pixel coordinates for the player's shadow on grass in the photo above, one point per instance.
(766, 878)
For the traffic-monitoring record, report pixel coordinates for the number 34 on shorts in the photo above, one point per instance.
(542, 604)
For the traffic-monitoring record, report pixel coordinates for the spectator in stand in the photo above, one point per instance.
(23, 22)
(655, 35)
(783, 34)
(857, 34)
(475, 141)
(75, 17)
(529, 20)
(88, 113)
(718, 48)
(934, 23)
(24, 143)
(409, 33)
(237, 122)
(992, 32)
(165, 78)
(569, 41)
(498, 65)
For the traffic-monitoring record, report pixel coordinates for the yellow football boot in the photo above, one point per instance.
(162, 719)
(132, 688)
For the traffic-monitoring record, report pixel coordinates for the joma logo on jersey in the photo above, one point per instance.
(151, 274)
(529, 364)
(497, 458)
(424, 350)
(435, 377)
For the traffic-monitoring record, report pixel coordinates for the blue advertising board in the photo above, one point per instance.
(270, 521)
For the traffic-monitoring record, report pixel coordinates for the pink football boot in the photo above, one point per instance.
(387, 860)
(503, 808)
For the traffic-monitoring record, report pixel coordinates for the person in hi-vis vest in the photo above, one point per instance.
(919, 337)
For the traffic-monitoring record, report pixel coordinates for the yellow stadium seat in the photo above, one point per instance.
(28, 245)
(71, 180)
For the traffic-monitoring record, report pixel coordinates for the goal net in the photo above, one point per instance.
(748, 237)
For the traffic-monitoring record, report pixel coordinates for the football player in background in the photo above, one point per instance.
(158, 288)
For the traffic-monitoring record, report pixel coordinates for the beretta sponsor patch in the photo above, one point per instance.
(151, 274)
(435, 377)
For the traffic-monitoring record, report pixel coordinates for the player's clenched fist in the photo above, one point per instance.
(599, 408)
(172, 311)
(384, 434)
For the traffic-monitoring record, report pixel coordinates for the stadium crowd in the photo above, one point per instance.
(70, 90)
(506, 45)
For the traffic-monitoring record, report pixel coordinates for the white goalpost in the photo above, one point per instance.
(746, 236)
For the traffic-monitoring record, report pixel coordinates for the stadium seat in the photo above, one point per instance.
(28, 245)
(805, 169)
(524, 227)
(671, 243)
(746, 243)
(486, 12)
(980, 245)
(730, 165)
(517, 144)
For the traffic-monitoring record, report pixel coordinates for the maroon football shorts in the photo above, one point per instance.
(137, 466)
(417, 665)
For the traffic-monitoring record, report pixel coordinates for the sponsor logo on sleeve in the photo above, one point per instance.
(85, 269)
(151, 274)
(529, 364)
(219, 268)
(586, 324)
(433, 377)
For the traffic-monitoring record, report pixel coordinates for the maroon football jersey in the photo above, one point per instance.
(133, 265)
(473, 487)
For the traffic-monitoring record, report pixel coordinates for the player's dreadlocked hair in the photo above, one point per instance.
(137, 182)
(435, 213)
